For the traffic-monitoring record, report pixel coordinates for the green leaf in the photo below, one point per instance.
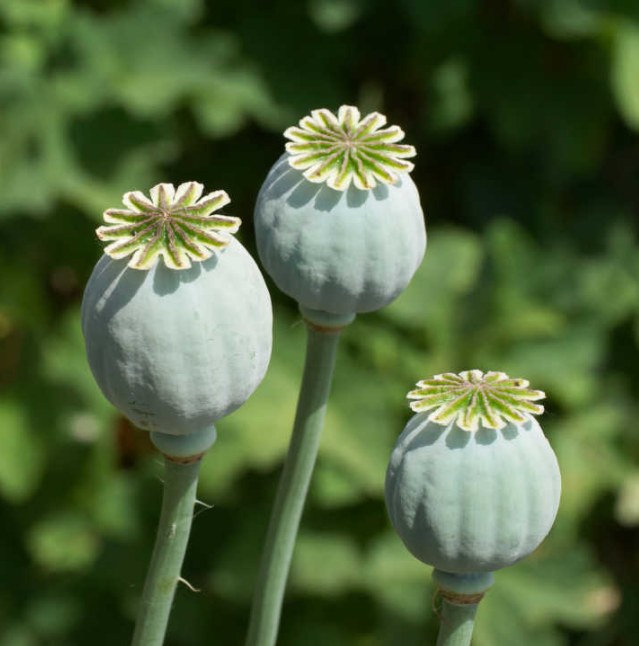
(453, 105)
(590, 459)
(22, 457)
(44, 16)
(52, 614)
(570, 19)
(187, 11)
(63, 542)
(65, 363)
(396, 579)
(325, 564)
(627, 503)
(563, 365)
(18, 635)
(624, 77)
(333, 16)
(112, 505)
(229, 99)
(449, 270)
(333, 486)
(566, 587)
(614, 273)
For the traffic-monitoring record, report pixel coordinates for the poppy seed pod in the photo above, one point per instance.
(338, 221)
(185, 341)
(474, 485)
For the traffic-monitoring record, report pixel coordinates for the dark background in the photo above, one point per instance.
(524, 115)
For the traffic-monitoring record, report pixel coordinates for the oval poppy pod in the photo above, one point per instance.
(473, 486)
(347, 234)
(176, 350)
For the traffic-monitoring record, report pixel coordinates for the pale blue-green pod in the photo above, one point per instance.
(338, 220)
(338, 251)
(175, 351)
(465, 497)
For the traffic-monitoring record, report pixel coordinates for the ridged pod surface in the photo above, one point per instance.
(177, 350)
(468, 502)
(338, 251)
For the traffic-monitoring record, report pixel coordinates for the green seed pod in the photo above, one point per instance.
(347, 234)
(175, 351)
(474, 485)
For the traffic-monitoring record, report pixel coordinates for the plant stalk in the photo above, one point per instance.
(457, 622)
(180, 484)
(321, 349)
(461, 594)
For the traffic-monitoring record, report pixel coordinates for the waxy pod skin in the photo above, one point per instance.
(474, 485)
(347, 234)
(180, 334)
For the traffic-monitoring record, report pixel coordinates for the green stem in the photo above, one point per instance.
(457, 622)
(180, 484)
(461, 594)
(321, 349)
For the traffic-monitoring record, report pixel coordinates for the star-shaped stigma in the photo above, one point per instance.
(342, 149)
(472, 397)
(178, 225)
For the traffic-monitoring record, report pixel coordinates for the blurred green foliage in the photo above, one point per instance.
(525, 115)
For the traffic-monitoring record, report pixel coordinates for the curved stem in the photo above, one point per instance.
(321, 349)
(180, 484)
(457, 622)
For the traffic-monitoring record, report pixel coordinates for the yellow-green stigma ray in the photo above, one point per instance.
(177, 224)
(472, 398)
(346, 149)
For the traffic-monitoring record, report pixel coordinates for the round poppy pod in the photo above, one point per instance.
(473, 486)
(176, 345)
(347, 234)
